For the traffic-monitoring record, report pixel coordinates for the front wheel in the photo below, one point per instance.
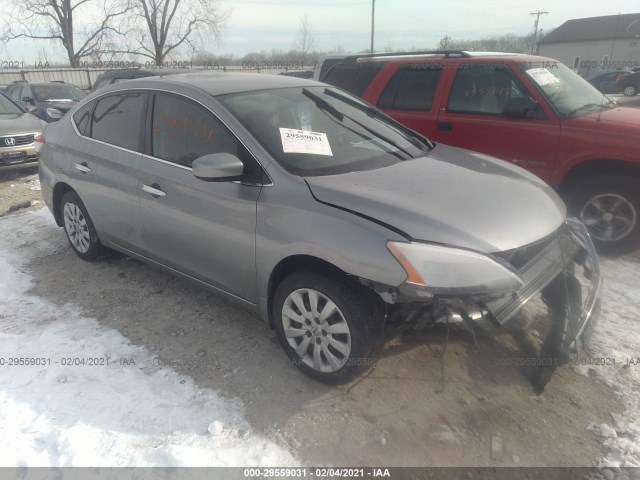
(329, 329)
(610, 208)
(630, 90)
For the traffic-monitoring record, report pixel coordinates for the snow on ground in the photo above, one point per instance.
(115, 415)
(147, 415)
(617, 336)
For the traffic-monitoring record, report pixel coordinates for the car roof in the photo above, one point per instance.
(142, 72)
(221, 83)
(38, 84)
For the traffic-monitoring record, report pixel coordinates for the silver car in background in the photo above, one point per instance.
(324, 215)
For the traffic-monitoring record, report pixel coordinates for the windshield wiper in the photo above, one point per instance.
(372, 112)
(375, 113)
(323, 104)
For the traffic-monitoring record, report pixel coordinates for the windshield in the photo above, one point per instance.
(7, 107)
(43, 93)
(323, 131)
(567, 91)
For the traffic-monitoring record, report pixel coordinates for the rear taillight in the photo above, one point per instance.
(38, 141)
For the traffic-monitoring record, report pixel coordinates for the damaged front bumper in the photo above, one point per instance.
(567, 273)
(563, 268)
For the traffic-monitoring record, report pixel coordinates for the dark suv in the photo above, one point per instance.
(48, 101)
(531, 111)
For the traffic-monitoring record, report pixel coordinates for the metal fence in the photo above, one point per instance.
(85, 77)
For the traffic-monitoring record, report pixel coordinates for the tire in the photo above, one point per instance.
(610, 208)
(356, 324)
(630, 90)
(79, 228)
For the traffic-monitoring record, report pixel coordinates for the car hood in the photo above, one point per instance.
(619, 120)
(19, 123)
(452, 196)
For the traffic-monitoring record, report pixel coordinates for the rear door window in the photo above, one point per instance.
(411, 88)
(118, 120)
(352, 76)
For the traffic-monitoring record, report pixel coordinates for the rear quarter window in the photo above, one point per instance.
(82, 118)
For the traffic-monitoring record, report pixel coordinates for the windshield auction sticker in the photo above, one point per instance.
(542, 76)
(303, 141)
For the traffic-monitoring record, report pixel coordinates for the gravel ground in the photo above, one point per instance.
(19, 190)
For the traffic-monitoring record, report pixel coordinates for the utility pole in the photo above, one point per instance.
(537, 14)
(373, 13)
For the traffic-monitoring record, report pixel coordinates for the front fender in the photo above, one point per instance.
(353, 244)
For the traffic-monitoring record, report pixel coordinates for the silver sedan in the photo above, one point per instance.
(315, 209)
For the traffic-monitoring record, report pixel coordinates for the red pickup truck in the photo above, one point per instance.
(529, 110)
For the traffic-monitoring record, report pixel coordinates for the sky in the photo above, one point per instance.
(257, 25)
(268, 24)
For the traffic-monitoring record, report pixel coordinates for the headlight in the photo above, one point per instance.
(453, 271)
(54, 113)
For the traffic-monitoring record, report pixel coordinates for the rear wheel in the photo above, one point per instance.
(630, 90)
(329, 328)
(79, 228)
(610, 208)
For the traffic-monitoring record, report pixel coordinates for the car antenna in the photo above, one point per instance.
(610, 61)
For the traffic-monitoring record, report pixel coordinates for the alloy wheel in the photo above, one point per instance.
(316, 329)
(75, 225)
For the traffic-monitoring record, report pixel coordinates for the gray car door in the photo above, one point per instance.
(104, 165)
(204, 229)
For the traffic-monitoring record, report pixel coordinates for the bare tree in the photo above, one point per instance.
(306, 42)
(446, 43)
(58, 21)
(165, 27)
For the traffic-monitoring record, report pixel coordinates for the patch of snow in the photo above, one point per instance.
(57, 414)
(35, 185)
(617, 336)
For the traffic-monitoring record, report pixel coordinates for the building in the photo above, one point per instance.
(596, 44)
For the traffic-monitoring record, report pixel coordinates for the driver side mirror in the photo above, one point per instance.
(521, 107)
(28, 99)
(32, 109)
(218, 167)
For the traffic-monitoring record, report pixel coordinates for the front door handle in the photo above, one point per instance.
(83, 167)
(154, 190)
(445, 126)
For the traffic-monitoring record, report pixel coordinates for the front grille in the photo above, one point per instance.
(16, 140)
(519, 257)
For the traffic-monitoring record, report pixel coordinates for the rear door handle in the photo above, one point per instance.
(83, 167)
(445, 126)
(154, 190)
